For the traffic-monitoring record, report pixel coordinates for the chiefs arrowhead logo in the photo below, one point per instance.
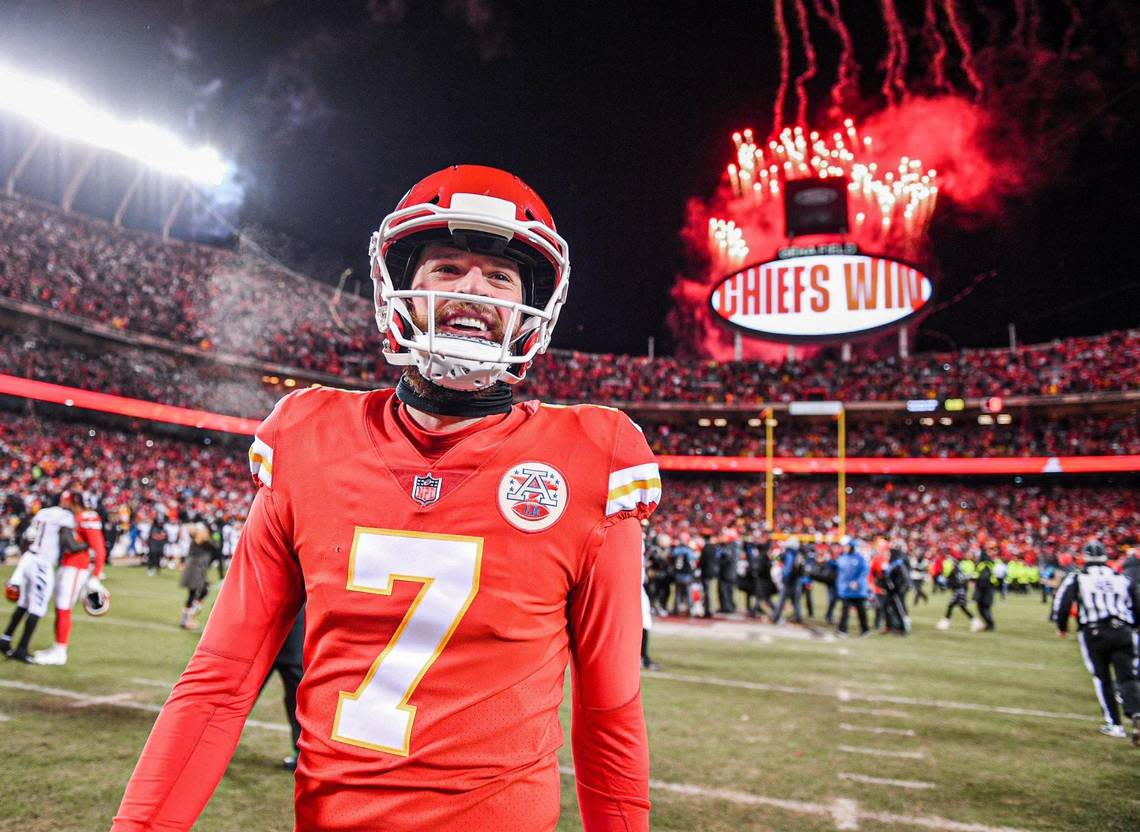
(532, 496)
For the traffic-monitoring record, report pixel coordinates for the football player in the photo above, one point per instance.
(457, 551)
(52, 535)
(79, 573)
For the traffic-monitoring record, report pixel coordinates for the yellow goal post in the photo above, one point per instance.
(821, 408)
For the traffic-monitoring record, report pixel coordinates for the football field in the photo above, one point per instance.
(751, 727)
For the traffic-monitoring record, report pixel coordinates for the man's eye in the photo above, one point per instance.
(445, 269)
(501, 276)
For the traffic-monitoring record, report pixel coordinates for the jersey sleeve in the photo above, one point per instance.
(261, 450)
(91, 533)
(634, 479)
(610, 745)
(200, 724)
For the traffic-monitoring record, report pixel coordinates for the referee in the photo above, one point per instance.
(1107, 606)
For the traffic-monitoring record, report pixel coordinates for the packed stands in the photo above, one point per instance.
(137, 373)
(1043, 519)
(174, 379)
(121, 468)
(214, 299)
(238, 302)
(1027, 435)
(151, 474)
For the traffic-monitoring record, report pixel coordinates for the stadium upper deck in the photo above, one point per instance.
(222, 303)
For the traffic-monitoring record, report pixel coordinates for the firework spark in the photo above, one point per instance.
(891, 203)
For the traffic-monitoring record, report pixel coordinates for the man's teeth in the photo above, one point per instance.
(470, 323)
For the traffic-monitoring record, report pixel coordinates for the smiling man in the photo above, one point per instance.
(457, 551)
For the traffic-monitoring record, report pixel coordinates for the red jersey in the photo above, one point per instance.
(89, 529)
(878, 564)
(449, 578)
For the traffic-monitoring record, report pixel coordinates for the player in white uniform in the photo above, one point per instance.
(79, 575)
(52, 533)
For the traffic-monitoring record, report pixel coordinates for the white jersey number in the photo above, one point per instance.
(377, 714)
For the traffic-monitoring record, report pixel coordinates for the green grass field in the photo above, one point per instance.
(750, 728)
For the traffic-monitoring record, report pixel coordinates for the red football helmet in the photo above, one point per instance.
(12, 592)
(486, 211)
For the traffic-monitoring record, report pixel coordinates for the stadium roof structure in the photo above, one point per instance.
(52, 108)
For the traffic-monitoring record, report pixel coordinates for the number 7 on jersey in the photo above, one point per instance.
(378, 714)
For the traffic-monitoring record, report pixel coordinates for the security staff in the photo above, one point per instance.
(729, 557)
(709, 564)
(1107, 606)
(760, 563)
(958, 573)
(984, 590)
(896, 582)
(792, 564)
(659, 573)
(683, 558)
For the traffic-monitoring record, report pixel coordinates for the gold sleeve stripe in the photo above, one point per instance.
(261, 461)
(638, 485)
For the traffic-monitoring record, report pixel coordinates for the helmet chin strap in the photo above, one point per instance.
(422, 394)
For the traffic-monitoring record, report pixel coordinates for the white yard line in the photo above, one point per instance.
(152, 683)
(5, 718)
(882, 752)
(138, 625)
(838, 810)
(885, 781)
(845, 695)
(886, 712)
(875, 729)
(845, 813)
(116, 702)
(112, 699)
(804, 807)
(871, 685)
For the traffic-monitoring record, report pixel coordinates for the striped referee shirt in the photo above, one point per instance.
(1100, 595)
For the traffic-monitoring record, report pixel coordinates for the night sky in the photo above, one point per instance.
(615, 113)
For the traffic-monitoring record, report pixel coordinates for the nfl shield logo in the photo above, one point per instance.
(425, 489)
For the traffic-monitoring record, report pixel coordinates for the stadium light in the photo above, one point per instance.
(61, 111)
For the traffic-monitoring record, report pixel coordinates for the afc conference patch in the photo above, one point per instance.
(532, 496)
(426, 489)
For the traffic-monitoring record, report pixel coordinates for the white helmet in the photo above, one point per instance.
(96, 598)
(482, 210)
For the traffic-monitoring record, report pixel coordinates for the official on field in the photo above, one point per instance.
(1107, 606)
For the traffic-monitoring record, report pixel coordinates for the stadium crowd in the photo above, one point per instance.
(174, 379)
(217, 300)
(142, 474)
(240, 302)
(152, 375)
(1029, 435)
(119, 473)
(931, 516)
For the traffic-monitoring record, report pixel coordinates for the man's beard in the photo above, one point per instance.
(412, 376)
(443, 395)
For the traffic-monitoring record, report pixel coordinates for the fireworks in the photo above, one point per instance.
(953, 117)
(728, 240)
(885, 200)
